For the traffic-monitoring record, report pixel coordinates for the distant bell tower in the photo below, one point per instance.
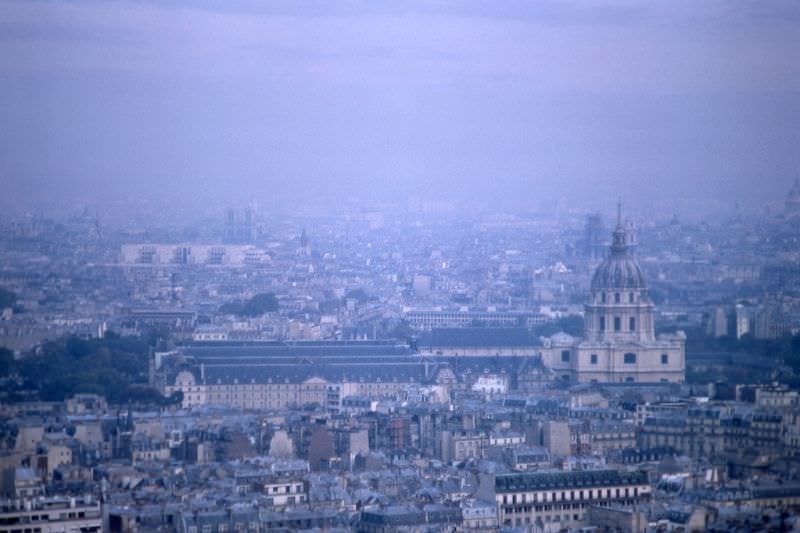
(594, 239)
(305, 245)
(792, 204)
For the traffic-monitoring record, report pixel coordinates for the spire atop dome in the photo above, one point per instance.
(619, 245)
(620, 269)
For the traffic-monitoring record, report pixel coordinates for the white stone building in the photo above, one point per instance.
(619, 342)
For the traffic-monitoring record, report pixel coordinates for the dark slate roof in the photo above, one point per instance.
(677, 517)
(777, 491)
(657, 421)
(533, 481)
(479, 338)
(489, 364)
(407, 515)
(240, 350)
(295, 373)
(334, 362)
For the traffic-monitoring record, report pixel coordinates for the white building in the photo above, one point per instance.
(619, 342)
(51, 515)
(193, 254)
(555, 501)
(491, 384)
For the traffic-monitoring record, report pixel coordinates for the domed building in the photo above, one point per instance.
(619, 343)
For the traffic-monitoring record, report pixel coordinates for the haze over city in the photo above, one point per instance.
(676, 107)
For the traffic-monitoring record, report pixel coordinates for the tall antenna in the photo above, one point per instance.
(619, 211)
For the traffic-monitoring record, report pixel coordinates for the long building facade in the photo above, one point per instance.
(281, 375)
(556, 500)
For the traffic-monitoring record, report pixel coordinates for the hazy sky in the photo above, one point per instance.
(513, 103)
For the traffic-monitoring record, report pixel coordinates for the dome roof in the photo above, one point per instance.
(620, 270)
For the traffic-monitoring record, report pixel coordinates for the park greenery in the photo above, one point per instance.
(258, 305)
(358, 294)
(114, 367)
(570, 324)
(7, 298)
(749, 359)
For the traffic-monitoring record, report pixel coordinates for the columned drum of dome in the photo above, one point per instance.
(619, 342)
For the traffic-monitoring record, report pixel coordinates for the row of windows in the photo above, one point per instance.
(285, 488)
(618, 324)
(628, 358)
(573, 495)
(520, 520)
(617, 298)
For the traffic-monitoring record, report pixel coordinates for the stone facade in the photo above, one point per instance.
(619, 342)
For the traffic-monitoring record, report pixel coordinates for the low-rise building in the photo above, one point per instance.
(56, 514)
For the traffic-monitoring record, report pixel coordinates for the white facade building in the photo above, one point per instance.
(619, 342)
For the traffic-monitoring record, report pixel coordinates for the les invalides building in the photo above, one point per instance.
(619, 342)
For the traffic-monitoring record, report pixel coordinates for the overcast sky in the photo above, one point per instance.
(512, 103)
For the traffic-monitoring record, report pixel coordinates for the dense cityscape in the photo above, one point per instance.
(381, 372)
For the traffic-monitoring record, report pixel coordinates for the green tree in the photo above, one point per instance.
(571, 325)
(6, 362)
(113, 367)
(261, 303)
(7, 298)
(359, 295)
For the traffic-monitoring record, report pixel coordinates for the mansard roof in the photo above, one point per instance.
(536, 481)
(479, 338)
